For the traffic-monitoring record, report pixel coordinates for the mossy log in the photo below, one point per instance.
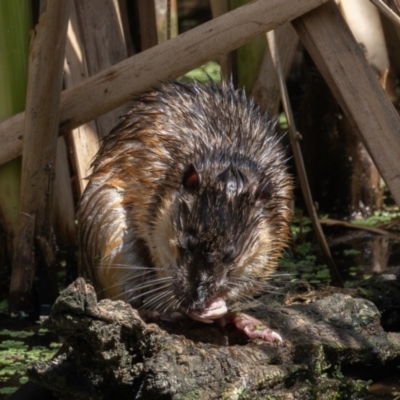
(110, 352)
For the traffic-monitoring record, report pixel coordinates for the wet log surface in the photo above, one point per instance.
(109, 352)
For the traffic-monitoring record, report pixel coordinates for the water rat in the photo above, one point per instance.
(187, 206)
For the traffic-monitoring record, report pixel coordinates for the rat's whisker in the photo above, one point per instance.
(122, 266)
(131, 299)
(154, 299)
(171, 304)
(124, 281)
(151, 282)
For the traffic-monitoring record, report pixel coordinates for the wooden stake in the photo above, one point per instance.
(116, 85)
(40, 142)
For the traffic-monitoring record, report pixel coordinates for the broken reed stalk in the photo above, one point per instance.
(298, 158)
(266, 90)
(40, 142)
(355, 87)
(373, 229)
(116, 85)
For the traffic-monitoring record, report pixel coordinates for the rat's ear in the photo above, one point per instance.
(263, 192)
(191, 178)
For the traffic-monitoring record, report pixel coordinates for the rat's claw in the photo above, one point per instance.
(265, 334)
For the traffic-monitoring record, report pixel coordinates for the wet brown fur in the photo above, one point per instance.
(138, 224)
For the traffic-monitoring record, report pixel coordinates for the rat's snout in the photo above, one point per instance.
(208, 300)
(204, 289)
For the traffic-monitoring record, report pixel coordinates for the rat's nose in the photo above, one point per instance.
(201, 294)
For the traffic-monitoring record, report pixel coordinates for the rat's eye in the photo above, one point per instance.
(191, 178)
(264, 192)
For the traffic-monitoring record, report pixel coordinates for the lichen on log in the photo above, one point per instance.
(110, 352)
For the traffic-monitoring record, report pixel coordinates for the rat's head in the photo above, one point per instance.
(228, 227)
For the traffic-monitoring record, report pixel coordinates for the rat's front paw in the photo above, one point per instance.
(252, 327)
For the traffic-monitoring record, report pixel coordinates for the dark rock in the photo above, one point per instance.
(110, 353)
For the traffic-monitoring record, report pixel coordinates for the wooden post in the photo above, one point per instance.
(40, 143)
